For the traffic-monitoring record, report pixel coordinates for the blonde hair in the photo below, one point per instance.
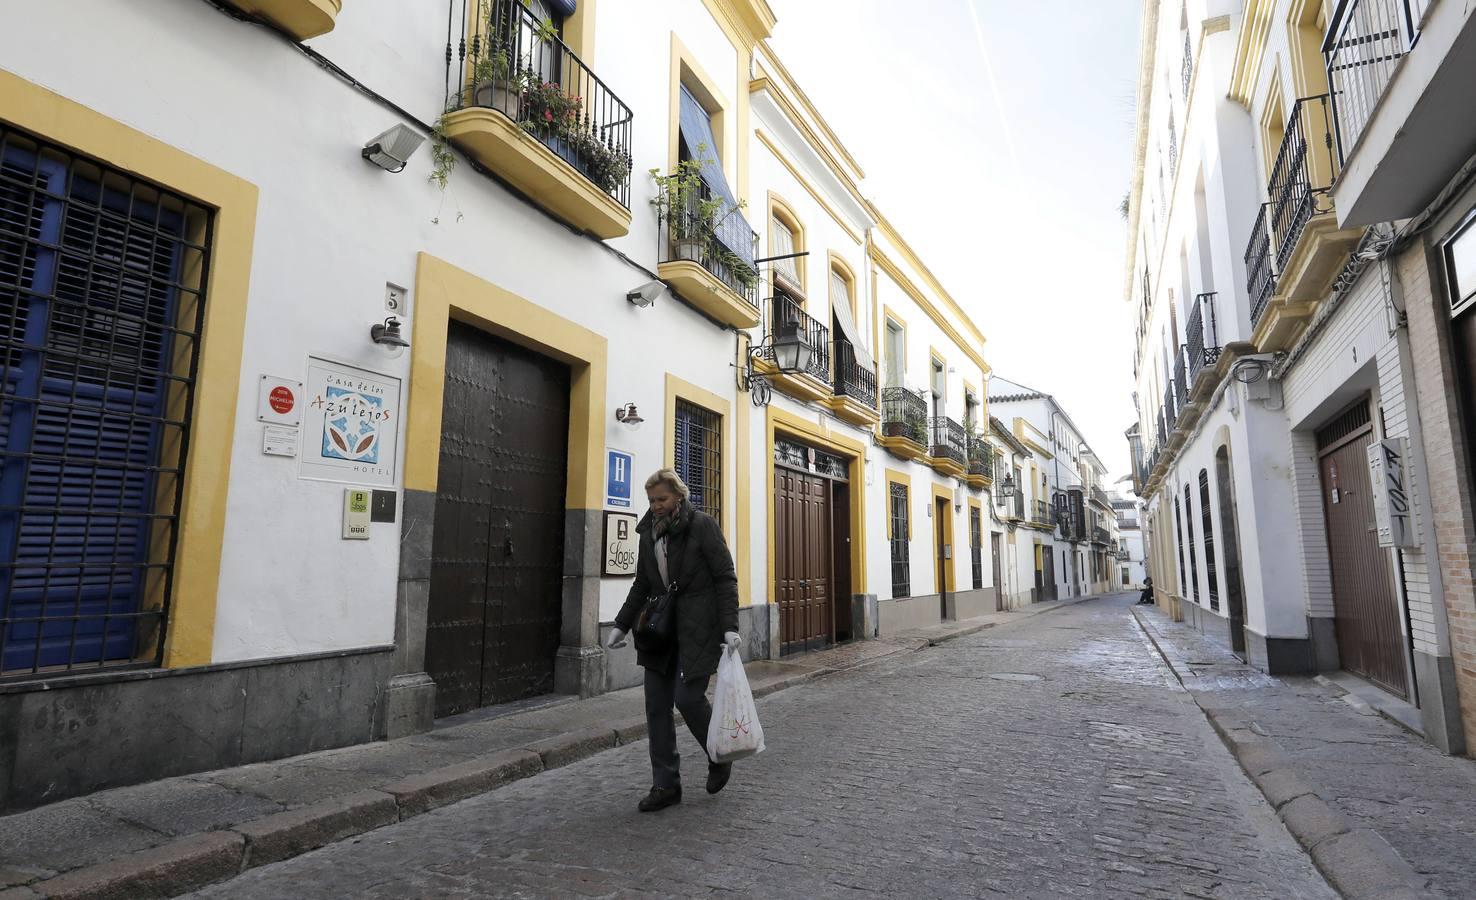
(671, 479)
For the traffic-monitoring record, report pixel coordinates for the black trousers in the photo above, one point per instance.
(665, 689)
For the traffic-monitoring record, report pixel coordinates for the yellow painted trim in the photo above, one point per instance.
(190, 636)
(1250, 48)
(771, 61)
(743, 539)
(745, 22)
(742, 119)
(782, 209)
(815, 195)
(950, 580)
(703, 290)
(676, 388)
(802, 125)
(780, 422)
(579, 32)
(1273, 118)
(444, 292)
(302, 19)
(929, 308)
(910, 255)
(685, 69)
(895, 477)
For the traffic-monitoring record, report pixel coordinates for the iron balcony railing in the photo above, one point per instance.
(1100, 536)
(1188, 67)
(904, 414)
(1181, 380)
(788, 319)
(1367, 40)
(1019, 505)
(1042, 514)
(507, 59)
(853, 379)
(1301, 175)
(981, 458)
(1162, 430)
(948, 440)
(1260, 276)
(684, 235)
(1170, 410)
(1101, 497)
(1203, 348)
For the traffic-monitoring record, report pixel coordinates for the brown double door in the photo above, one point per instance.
(1367, 616)
(803, 544)
(497, 552)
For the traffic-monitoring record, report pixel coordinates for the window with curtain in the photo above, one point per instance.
(696, 141)
(781, 242)
(840, 290)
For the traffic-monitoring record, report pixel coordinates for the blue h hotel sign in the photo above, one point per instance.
(620, 466)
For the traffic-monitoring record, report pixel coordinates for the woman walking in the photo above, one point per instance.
(681, 551)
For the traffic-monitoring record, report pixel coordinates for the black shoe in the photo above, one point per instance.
(661, 798)
(718, 775)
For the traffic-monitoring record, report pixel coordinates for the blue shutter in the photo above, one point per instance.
(561, 8)
(79, 424)
(733, 231)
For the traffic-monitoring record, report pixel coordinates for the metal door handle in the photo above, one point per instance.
(508, 545)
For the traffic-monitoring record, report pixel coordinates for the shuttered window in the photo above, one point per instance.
(781, 243)
(97, 338)
(1189, 539)
(698, 454)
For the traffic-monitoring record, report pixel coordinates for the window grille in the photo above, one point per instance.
(901, 532)
(101, 301)
(976, 546)
(699, 442)
(1209, 540)
(1179, 529)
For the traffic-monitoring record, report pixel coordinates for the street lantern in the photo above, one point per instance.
(1008, 488)
(792, 353)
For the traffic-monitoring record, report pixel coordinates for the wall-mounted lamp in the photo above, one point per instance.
(387, 335)
(628, 416)
(787, 347)
(1008, 488)
(646, 295)
(393, 149)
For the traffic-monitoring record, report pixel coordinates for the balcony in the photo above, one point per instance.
(981, 463)
(1100, 536)
(1308, 247)
(1187, 69)
(948, 446)
(1170, 412)
(1260, 276)
(1017, 505)
(696, 262)
(523, 105)
(1042, 516)
(854, 387)
(1401, 73)
(1181, 380)
(300, 18)
(1100, 497)
(904, 416)
(787, 319)
(1203, 348)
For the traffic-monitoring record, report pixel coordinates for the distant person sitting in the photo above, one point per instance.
(1147, 595)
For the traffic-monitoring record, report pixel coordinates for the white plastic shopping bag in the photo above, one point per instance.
(735, 731)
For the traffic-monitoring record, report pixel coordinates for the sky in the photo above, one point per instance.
(997, 136)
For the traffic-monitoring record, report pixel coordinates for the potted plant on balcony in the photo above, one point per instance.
(917, 425)
(685, 206)
(605, 166)
(496, 85)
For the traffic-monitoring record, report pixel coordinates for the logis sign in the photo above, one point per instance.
(622, 544)
(1393, 506)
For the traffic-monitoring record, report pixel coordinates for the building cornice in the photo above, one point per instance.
(790, 85)
(889, 231)
(886, 264)
(746, 22)
(1250, 49)
(1147, 54)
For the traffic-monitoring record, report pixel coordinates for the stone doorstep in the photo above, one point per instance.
(194, 861)
(1357, 862)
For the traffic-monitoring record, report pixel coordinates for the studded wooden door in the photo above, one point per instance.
(1370, 640)
(802, 544)
(497, 553)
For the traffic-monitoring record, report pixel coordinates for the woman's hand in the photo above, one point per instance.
(617, 639)
(732, 640)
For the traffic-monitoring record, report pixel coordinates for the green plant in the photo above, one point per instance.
(443, 159)
(917, 423)
(684, 203)
(745, 274)
(549, 110)
(607, 167)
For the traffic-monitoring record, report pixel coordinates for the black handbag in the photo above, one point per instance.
(655, 627)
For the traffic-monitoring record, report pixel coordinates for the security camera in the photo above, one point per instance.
(393, 149)
(646, 294)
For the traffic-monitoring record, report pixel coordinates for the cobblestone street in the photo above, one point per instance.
(1056, 756)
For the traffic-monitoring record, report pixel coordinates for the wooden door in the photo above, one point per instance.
(942, 551)
(802, 545)
(1049, 558)
(496, 592)
(999, 591)
(840, 555)
(1367, 618)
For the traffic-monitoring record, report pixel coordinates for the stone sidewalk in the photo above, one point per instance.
(1382, 813)
(171, 836)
